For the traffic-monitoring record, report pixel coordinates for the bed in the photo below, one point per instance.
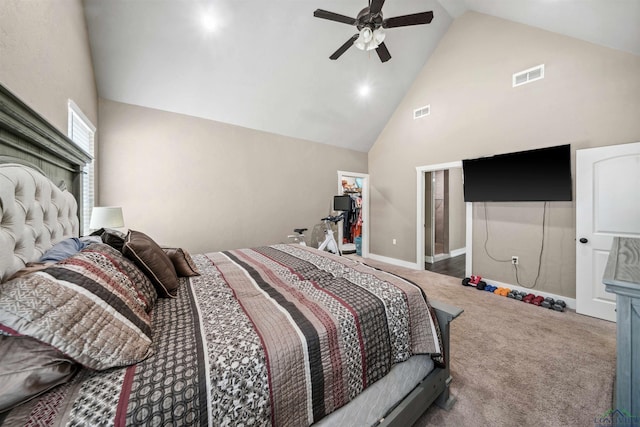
(124, 332)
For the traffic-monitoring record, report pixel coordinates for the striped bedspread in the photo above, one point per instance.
(280, 335)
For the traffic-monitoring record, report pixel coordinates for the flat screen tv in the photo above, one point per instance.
(526, 176)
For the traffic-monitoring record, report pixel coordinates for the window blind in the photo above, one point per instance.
(82, 132)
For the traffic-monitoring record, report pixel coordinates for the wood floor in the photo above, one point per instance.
(450, 267)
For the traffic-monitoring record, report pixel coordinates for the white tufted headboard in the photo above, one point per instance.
(34, 215)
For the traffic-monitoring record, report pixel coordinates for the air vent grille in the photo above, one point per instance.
(421, 112)
(528, 76)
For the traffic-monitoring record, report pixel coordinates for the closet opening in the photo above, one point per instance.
(353, 232)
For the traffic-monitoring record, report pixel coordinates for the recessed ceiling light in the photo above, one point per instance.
(209, 22)
(364, 90)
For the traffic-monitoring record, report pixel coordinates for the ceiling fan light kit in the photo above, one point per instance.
(369, 40)
(371, 25)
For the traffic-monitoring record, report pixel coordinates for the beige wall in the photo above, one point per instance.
(207, 186)
(45, 58)
(590, 96)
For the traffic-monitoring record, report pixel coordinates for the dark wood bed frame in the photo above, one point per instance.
(27, 137)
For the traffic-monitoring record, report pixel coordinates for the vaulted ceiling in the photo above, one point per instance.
(265, 64)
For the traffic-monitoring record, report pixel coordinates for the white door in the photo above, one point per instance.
(607, 205)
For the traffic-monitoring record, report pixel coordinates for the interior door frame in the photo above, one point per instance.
(365, 208)
(421, 217)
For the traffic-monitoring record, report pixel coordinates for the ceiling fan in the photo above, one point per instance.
(371, 25)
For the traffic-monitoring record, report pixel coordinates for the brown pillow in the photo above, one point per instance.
(28, 368)
(182, 261)
(152, 260)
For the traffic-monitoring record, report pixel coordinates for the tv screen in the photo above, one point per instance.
(535, 175)
(341, 203)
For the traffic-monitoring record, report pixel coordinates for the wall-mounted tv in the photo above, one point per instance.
(535, 175)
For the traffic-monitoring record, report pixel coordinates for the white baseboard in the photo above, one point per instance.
(440, 257)
(457, 252)
(394, 261)
(571, 302)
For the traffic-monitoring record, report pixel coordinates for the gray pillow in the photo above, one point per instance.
(29, 368)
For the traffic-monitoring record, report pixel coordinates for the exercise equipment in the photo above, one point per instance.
(537, 300)
(547, 303)
(503, 292)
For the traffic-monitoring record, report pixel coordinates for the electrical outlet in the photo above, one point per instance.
(514, 260)
(394, 241)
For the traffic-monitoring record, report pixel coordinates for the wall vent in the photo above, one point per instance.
(528, 76)
(421, 112)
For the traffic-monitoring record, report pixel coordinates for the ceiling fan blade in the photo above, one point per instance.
(405, 20)
(344, 47)
(324, 14)
(383, 52)
(376, 6)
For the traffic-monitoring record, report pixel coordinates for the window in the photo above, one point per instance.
(82, 132)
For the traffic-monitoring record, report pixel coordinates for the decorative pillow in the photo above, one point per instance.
(63, 249)
(91, 239)
(87, 306)
(111, 237)
(152, 260)
(29, 368)
(182, 261)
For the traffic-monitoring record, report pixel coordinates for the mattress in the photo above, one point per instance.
(380, 398)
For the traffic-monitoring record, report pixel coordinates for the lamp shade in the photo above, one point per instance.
(106, 217)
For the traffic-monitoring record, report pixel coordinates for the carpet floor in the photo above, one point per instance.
(516, 364)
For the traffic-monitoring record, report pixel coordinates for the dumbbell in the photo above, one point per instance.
(537, 300)
(518, 297)
(548, 302)
(465, 281)
(511, 295)
(528, 298)
(559, 305)
(481, 285)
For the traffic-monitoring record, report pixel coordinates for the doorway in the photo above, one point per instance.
(444, 220)
(437, 205)
(353, 235)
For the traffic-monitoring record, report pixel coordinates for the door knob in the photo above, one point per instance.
(583, 240)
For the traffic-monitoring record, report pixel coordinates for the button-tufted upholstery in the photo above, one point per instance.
(34, 215)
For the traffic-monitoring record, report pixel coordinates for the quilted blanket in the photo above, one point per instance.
(280, 335)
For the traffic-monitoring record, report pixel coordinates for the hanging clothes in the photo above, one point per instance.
(351, 228)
